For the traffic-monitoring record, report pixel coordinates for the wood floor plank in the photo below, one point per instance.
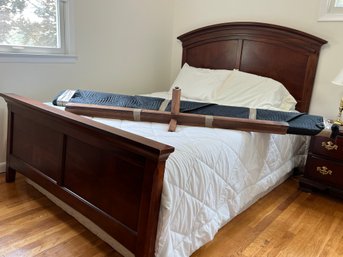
(286, 222)
(334, 245)
(31, 225)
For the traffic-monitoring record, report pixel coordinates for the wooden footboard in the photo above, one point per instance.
(112, 177)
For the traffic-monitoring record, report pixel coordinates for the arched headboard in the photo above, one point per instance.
(284, 54)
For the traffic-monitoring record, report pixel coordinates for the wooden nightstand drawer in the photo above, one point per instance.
(325, 146)
(325, 171)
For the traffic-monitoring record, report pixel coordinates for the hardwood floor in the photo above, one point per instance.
(286, 222)
(31, 225)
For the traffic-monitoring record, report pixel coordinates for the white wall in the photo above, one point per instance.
(301, 15)
(122, 46)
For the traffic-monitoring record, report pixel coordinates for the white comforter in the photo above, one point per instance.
(213, 175)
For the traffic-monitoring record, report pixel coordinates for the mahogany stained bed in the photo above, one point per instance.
(49, 146)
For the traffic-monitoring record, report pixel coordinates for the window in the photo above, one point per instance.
(331, 10)
(339, 3)
(35, 27)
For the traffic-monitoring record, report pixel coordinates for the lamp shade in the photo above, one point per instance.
(338, 80)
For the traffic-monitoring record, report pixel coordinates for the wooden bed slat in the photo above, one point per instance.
(189, 119)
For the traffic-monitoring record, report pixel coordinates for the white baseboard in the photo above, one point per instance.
(2, 167)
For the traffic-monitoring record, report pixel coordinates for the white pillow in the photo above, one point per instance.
(245, 89)
(198, 83)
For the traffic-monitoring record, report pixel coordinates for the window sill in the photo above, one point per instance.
(331, 17)
(326, 12)
(36, 58)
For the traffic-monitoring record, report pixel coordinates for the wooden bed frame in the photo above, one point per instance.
(114, 177)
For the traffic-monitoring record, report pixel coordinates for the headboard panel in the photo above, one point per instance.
(284, 54)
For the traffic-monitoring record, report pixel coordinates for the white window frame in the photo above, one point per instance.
(328, 13)
(66, 52)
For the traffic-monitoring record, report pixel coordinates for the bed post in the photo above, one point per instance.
(150, 207)
(10, 173)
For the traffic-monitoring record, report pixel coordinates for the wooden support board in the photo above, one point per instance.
(188, 119)
(175, 108)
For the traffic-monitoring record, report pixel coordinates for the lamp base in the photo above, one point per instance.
(338, 122)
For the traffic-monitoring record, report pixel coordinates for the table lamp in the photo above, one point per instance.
(338, 80)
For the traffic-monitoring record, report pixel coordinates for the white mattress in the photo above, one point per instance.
(213, 175)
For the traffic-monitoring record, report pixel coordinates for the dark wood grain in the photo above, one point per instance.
(324, 166)
(10, 172)
(328, 147)
(284, 54)
(110, 176)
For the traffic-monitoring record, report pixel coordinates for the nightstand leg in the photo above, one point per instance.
(305, 187)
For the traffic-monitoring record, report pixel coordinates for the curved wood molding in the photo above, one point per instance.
(284, 54)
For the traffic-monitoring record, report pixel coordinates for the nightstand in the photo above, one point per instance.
(324, 166)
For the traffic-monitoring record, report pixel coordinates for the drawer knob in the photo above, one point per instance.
(329, 146)
(324, 170)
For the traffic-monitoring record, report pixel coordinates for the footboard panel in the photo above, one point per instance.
(111, 176)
